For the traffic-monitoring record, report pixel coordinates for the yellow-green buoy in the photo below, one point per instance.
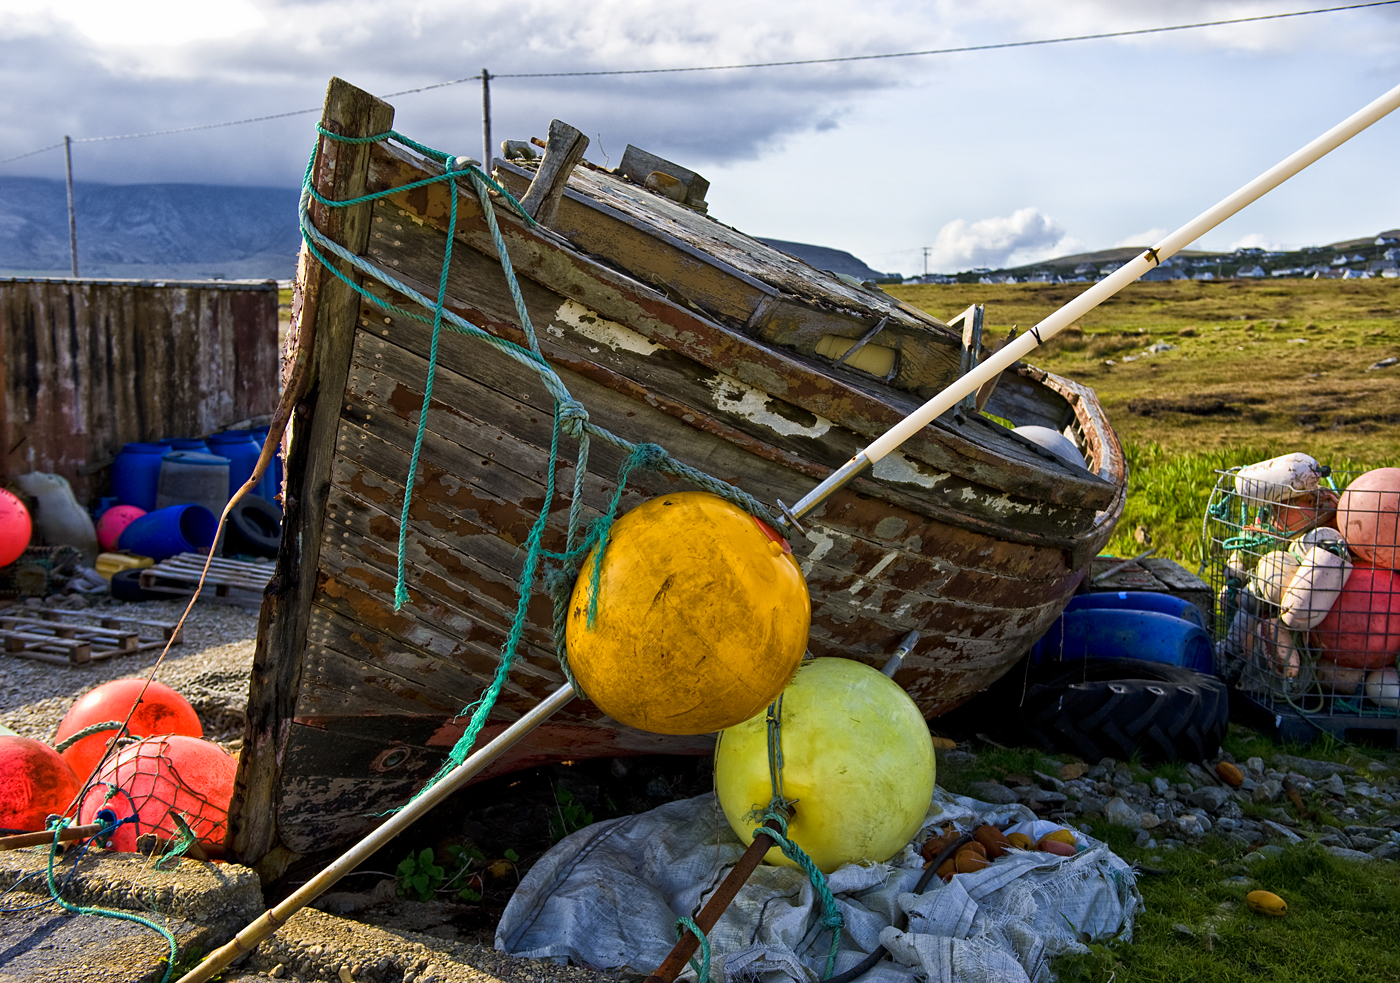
(701, 620)
(857, 758)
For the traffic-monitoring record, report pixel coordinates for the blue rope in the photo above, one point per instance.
(702, 971)
(570, 417)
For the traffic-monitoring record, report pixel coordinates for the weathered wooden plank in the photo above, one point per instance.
(328, 306)
(563, 151)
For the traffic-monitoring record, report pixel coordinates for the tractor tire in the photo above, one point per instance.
(1118, 708)
(254, 528)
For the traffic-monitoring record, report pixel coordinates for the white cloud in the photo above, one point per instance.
(1025, 236)
(1143, 239)
(1256, 240)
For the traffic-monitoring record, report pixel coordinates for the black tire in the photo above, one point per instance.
(126, 586)
(1117, 708)
(254, 528)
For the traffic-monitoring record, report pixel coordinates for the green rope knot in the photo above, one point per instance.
(702, 971)
(573, 418)
(831, 917)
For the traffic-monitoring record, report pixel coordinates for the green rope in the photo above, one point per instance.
(68, 742)
(831, 913)
(570, 416)
(107, 912)
(702, 971)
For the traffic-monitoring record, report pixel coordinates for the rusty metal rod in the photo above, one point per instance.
(718, 904)
(44, 837)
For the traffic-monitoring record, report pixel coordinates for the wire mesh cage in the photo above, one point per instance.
(1303, 564)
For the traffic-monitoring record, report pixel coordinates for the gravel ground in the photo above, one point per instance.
(209, 668)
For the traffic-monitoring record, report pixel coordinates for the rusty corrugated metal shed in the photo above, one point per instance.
(91, 364)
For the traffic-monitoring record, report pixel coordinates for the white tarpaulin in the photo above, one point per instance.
(607, 897)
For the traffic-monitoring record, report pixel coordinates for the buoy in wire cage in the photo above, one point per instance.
(701, 617)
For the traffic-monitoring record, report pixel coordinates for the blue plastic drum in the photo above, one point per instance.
(1122, 633)
(1139, 600)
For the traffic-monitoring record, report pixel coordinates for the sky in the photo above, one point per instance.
(990, 158)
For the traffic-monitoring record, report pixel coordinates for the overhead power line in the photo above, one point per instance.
(1104, 35)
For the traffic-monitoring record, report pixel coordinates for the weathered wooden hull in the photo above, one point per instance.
(970, 535)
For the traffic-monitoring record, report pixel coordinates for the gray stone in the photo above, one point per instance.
(1142, 837)
(1210, 798)
(1386, 851)
(1049, 781)
(1334, 787)
(1181, 929)
(1367, 843)
(1345, 854)
(1335, 838)
(1268, 790)
(1040, 799)
(1276, 832)
(1375, 832)
(1227, 824)
(1255, 766)
(1310, 767)
(1160, 786)
(1092, 805)
(1120, 813)
(1149, 820)
(1190, 825)
(993, 792)
(1199, 775)
(1122, 778)
(1184, 788)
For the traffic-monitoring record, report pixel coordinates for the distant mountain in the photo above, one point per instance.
(826, 258)
(192, 231)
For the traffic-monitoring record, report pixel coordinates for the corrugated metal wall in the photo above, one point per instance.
(92, 364)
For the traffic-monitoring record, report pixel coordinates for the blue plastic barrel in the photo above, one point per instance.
(1122, 633)
(242, 448)
(1139, 600)
(195, 444)
(165, 532)
(136, 474)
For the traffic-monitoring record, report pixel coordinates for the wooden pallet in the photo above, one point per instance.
(68, 644)
(230, 581)
(149, 631)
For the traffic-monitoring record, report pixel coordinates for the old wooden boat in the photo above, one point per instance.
(671, 328)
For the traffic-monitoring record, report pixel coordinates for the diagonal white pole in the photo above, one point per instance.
(271, 920)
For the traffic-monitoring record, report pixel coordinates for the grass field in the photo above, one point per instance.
(1258, 369)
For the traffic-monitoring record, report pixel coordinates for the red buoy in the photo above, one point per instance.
(154, 776)
(162, 711)
(15, 527)
(34, 784)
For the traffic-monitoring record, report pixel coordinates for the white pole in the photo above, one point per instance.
(1095, 295)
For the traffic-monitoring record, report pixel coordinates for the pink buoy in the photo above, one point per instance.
(161, 711)
(15, 527)
(1368, 516)
(148, 779)
(1362, 630)
(34, 784)
(114, 522)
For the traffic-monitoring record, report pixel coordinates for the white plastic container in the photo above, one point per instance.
(1278, 479)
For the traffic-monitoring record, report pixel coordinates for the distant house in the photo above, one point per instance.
(1381, 265)
(1339, 260)
(1288, 271)
(1357, 258)
(1042, 276)
(1086, 269)
(1109, 268)
(1204, 275)
(1391, 254)
(1164, 272)
(1356, 275)
(1251, 271)
(1385, 240)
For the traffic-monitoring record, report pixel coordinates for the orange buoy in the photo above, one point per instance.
(162, 711)
(1368, 515)
(154, 776)
(34, 784)
(701, 617)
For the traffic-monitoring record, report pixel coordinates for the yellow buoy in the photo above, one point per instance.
(856, 756)
(701, 620)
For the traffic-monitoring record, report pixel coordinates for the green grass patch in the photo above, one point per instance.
(1340, 923)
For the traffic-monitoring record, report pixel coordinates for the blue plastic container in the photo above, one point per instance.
(1122, 633)
(1139, 600)
(165, 532)
(272, 481)
(241, 448)
(136, 474)
(196, 444)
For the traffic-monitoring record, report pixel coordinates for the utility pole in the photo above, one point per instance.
(72, 218)
(486, 154)
(927, 250)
